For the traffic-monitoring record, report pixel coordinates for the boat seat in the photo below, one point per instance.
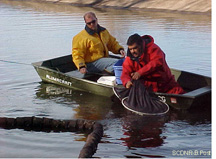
(199, 91)
(89, 76)
(75, 73)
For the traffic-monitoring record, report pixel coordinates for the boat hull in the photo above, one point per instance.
(64, 80)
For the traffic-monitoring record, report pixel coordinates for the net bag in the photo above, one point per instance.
(140, 100)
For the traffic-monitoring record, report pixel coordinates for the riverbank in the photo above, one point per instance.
(196, 6)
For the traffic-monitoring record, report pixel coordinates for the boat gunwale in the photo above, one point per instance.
(36, 64)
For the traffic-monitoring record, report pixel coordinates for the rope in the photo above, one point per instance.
(20, 63)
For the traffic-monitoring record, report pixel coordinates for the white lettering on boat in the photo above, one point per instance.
(58, 80)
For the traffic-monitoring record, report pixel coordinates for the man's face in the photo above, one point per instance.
(135, 50)
(91, 22)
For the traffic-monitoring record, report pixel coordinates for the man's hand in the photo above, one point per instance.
(135, 75)
(129, 84)
(122, 52)
(83, 70)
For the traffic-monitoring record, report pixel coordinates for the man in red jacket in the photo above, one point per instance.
(146, 61)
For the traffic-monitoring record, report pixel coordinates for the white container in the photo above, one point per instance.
(108, 80)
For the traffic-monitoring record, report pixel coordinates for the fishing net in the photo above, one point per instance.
(140, 100)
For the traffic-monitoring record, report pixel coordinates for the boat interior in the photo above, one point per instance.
(65, 65)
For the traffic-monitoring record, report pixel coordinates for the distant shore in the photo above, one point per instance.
(196, 6)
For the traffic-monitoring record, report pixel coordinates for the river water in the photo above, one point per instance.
(31, 32)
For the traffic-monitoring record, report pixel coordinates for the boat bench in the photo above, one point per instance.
(88, 76)
(199, 91)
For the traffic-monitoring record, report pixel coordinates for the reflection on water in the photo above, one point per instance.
(85, 105)
(31, 32)
(142, 131)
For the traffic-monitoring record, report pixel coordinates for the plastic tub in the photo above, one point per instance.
(118, 70)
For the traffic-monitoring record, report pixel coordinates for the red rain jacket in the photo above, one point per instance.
(154, 70)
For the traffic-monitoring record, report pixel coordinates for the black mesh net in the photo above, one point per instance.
(140, 100)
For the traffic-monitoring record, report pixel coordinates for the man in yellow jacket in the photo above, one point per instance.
(90, 47)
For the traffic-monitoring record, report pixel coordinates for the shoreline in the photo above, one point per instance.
(181, 6)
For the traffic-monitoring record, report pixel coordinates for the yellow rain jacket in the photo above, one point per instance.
(89, 46)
